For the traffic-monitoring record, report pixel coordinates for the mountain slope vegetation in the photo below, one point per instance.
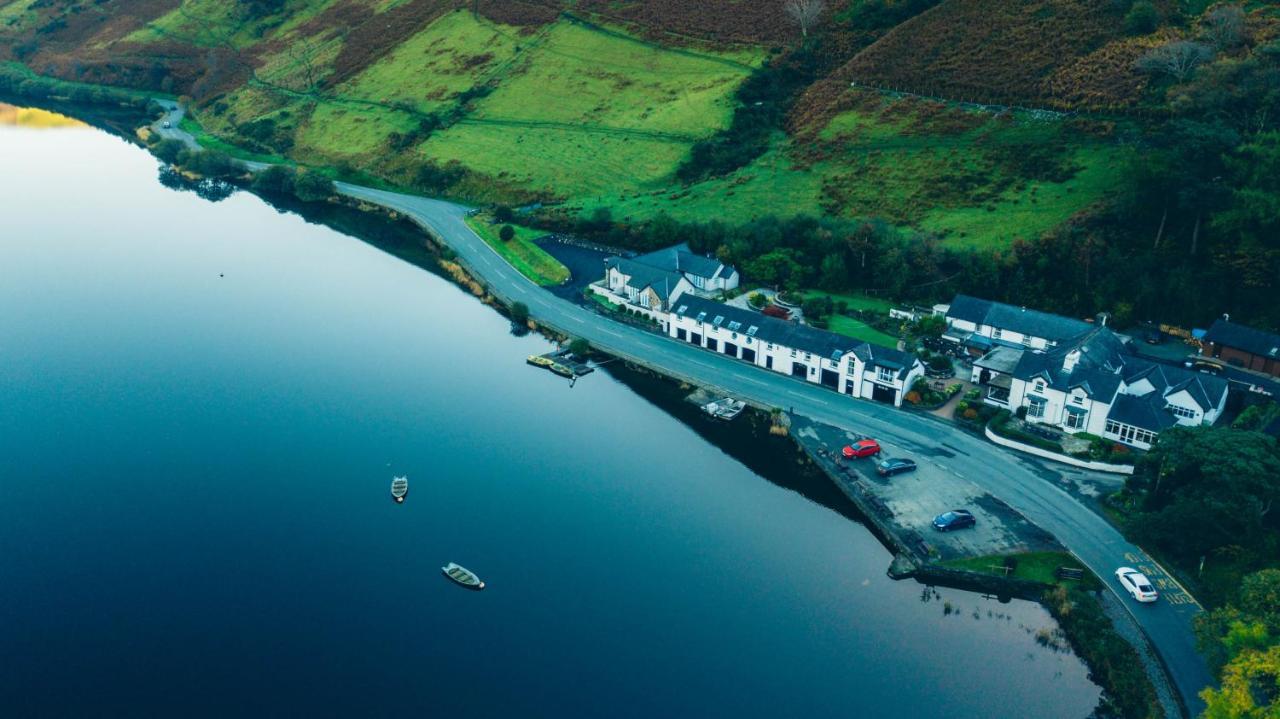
(1077, 155)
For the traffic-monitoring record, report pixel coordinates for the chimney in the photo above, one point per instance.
(1102, 318)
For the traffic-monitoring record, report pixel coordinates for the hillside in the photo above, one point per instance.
(521, 101)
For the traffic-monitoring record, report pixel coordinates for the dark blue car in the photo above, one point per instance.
(955, 519)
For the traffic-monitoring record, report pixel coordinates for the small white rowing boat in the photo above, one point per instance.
(462, 576)
(399, 489)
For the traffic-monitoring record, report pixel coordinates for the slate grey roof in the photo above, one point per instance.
(1206, 390)
(680, 258)
(1054, 328)
(1142, 412)
(646, 276)
(1097, 371)
(827, 345)
(1230, 334)
(1001, 359)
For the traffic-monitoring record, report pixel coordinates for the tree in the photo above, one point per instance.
(1176, 58)
(1223, 26)
(774, 268)
(1209, 488)
(313, 187)
(503, 213)
(1250, 688)
(1142, 18)
(519, 313)
(580, 347)
(805, 14)
(276, 179)
(507, 233)
(168, 150)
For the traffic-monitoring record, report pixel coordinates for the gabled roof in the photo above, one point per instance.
(1054, 328)
(642, 276)
(1097, 367)
(827, 345)
(1230, 334)
(1144, 412)
(680, 258)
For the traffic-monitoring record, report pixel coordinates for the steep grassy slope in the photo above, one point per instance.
(598, 108)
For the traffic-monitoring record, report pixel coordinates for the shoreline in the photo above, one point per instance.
(469, 277)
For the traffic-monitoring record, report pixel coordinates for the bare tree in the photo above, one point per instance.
(1223, 26)
(1177, 58)
(805, 13)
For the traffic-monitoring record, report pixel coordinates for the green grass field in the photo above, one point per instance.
(521, 253)
(853, 327)
(1032, 566)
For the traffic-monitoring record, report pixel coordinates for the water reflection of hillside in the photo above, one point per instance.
(35, 118)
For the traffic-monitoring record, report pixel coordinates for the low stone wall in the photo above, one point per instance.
(1046, 454)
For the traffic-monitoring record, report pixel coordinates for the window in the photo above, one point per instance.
(793, 353)
(884, 374)
(718, 320)
(1026, 340)
(1077, 399)
(807, 356)
(734, 325)
(1129, 433)
(682, 309)
(751, 331)
(1181, 411)
(1077, 420)
(770, 345)
(1035, 409)
(995, 333)
(1039, 385)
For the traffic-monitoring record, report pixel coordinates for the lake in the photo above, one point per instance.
(202, 405)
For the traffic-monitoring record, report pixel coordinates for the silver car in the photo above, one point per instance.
(1137, 585)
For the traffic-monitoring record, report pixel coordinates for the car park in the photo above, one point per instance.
(955, 519)
(861, 448)
(1137, 585)
(894, 465)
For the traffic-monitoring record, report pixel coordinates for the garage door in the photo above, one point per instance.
(880, 393)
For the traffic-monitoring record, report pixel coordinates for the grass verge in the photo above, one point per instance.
(521, 253)
(1031, 566)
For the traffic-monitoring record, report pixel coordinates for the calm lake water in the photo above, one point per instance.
(201, 409)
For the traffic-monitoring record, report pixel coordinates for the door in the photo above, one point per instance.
(749, 355)
(768, 362)
(731, 349)
(880, 393)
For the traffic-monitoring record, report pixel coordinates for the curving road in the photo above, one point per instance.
(1025, 484)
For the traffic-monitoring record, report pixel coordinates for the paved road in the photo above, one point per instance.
(1022, 482)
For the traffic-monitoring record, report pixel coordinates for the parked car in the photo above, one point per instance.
(895, 465)
(1203, 366)
(166, 124)
(1137, 585)
(862, 448)
(955, 519)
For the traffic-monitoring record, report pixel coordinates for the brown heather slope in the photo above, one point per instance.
(1064, 54)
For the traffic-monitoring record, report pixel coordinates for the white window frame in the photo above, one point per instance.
(883, 374)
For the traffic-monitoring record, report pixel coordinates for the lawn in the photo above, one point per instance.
(855, 301)
(521, 253)
(857, 329)
(1032, 566)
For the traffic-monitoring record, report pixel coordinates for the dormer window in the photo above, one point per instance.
(1039, 387)
(1077, 399)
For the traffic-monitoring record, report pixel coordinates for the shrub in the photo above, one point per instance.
(970, 414)
(168, 150)
(276, 179)
(313, 187)
(507, 233)
(1021, 412)
(913, 397)
(757, 300)
(502, 213)
(1142, 18)
(519, 312)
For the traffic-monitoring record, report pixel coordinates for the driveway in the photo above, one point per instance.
(1028, 486)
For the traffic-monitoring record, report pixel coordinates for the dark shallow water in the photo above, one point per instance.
(202, 406)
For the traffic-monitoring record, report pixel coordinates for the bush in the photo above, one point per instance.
(519, 313)
(313, 187)
(507, 233)
(913, 397)
(502, 213)
(208, 163)
(275, 179)
(757, 300)
(1142, 18)
(168, 150)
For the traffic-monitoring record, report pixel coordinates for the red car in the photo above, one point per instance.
(862, 448)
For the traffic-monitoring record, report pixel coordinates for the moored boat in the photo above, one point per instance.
(462, 576)
(540, 361)
(561, 370)
(399, 489)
